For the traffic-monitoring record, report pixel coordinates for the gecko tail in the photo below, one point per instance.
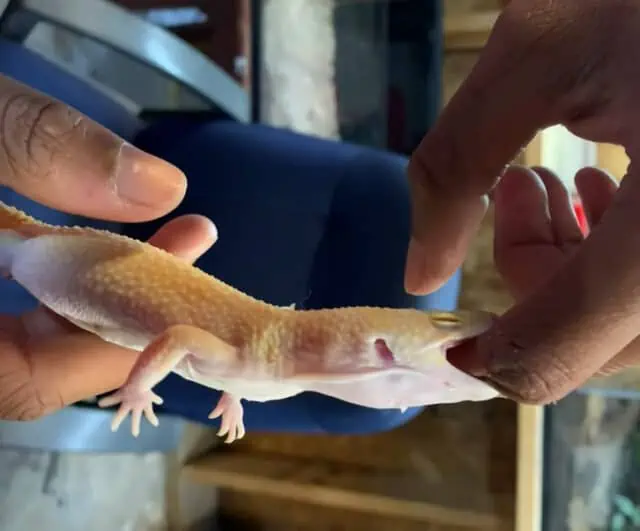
(14, 219)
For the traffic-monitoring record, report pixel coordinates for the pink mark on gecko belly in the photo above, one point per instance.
(384, 352)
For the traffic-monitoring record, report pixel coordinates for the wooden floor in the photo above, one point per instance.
(451, 468)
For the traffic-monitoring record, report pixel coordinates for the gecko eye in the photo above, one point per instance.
(446, 319)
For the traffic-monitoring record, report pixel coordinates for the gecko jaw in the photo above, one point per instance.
(452, 344)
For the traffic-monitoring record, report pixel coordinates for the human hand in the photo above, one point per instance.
(536, 232)
(570, 62)
(54, 155)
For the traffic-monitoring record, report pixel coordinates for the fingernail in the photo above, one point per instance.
(147, 180)
(212, 229)
(414, 272)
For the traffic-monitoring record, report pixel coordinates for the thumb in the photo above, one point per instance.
(53, 154)
(512, 92)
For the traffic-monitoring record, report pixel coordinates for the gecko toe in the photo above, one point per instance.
(231, 424)
(216, 412)
(156, 399)
(119, 417)
(151, 416)
(224, 428)
(110, 400)
(133, 401)
(136, 420)
(236, 430)
(239, 429)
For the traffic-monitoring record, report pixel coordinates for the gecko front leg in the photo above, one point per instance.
(155, 363)
(232, 412)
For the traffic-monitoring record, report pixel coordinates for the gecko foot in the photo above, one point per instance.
(132, 401)
(232, 413)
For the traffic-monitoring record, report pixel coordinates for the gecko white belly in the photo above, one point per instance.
(195, 370)
(401, 388)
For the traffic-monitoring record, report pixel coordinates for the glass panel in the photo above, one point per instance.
(592, 478)
(368, 72)
(592, 437)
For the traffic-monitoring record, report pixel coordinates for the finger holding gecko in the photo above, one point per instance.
(46, 363)
(55, 155)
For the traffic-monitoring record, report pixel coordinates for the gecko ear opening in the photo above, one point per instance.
(385, 354)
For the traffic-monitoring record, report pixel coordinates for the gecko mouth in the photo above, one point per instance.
(460, 341)
(445, 347)
(454, 343)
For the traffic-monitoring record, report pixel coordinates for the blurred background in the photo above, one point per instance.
(373, 73)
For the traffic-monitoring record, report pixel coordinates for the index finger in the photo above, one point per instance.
(509, 95)
(55, 155)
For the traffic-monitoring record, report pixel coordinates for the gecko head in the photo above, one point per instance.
(452, 328)
(426, 340)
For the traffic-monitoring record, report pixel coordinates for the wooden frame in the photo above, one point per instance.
(529, 478)
(317, 483)
(576, 153)
(528, 510)
(469, 31)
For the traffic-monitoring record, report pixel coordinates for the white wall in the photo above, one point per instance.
(565, 153)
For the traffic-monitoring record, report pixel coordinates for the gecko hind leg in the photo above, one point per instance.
(154, 364)
(232, 412)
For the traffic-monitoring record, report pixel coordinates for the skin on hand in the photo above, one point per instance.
(536, 233)
(58, 157)
(54, 155)
(570, 62)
